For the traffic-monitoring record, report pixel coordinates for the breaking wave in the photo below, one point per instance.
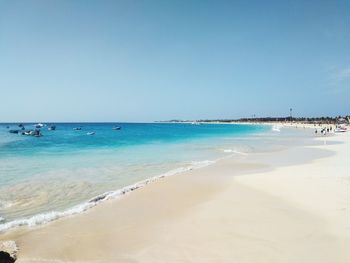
(44, 218)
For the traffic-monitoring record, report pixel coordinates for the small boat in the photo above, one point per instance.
(77, 129)
(39, 125)
(35, 133)
(116, 128)
(20, 125)
(340, 129)
(27, 132)
(90, 133)
(52, 128)
(14, 131)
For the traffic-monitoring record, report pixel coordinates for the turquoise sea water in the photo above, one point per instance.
(44, 178)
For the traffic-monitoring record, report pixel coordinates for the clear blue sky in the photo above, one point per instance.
(155, 60)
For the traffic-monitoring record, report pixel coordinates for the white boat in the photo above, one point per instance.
(340, 129)
(35, 133)
(90, 133)
(39, 125)
(28, 133)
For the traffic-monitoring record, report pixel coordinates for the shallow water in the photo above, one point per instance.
(65, 168)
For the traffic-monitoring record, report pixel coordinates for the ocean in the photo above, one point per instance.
(67, 171)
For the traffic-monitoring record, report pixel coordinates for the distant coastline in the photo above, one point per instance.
(271, 120)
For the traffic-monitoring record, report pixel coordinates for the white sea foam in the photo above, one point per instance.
(276, 128)
(234, 151)
(44, 218)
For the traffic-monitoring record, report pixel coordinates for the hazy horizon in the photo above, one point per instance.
(160, 121)
(145, 61)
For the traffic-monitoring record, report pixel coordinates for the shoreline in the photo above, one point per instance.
(208, 189)
(279, 123)
(44, 218)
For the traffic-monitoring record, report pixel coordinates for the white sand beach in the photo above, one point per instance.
(174, 131)
(263, 208)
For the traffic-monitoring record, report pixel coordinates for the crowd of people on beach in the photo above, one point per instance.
(325, 130)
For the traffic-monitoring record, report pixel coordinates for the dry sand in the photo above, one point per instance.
(256, 210)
